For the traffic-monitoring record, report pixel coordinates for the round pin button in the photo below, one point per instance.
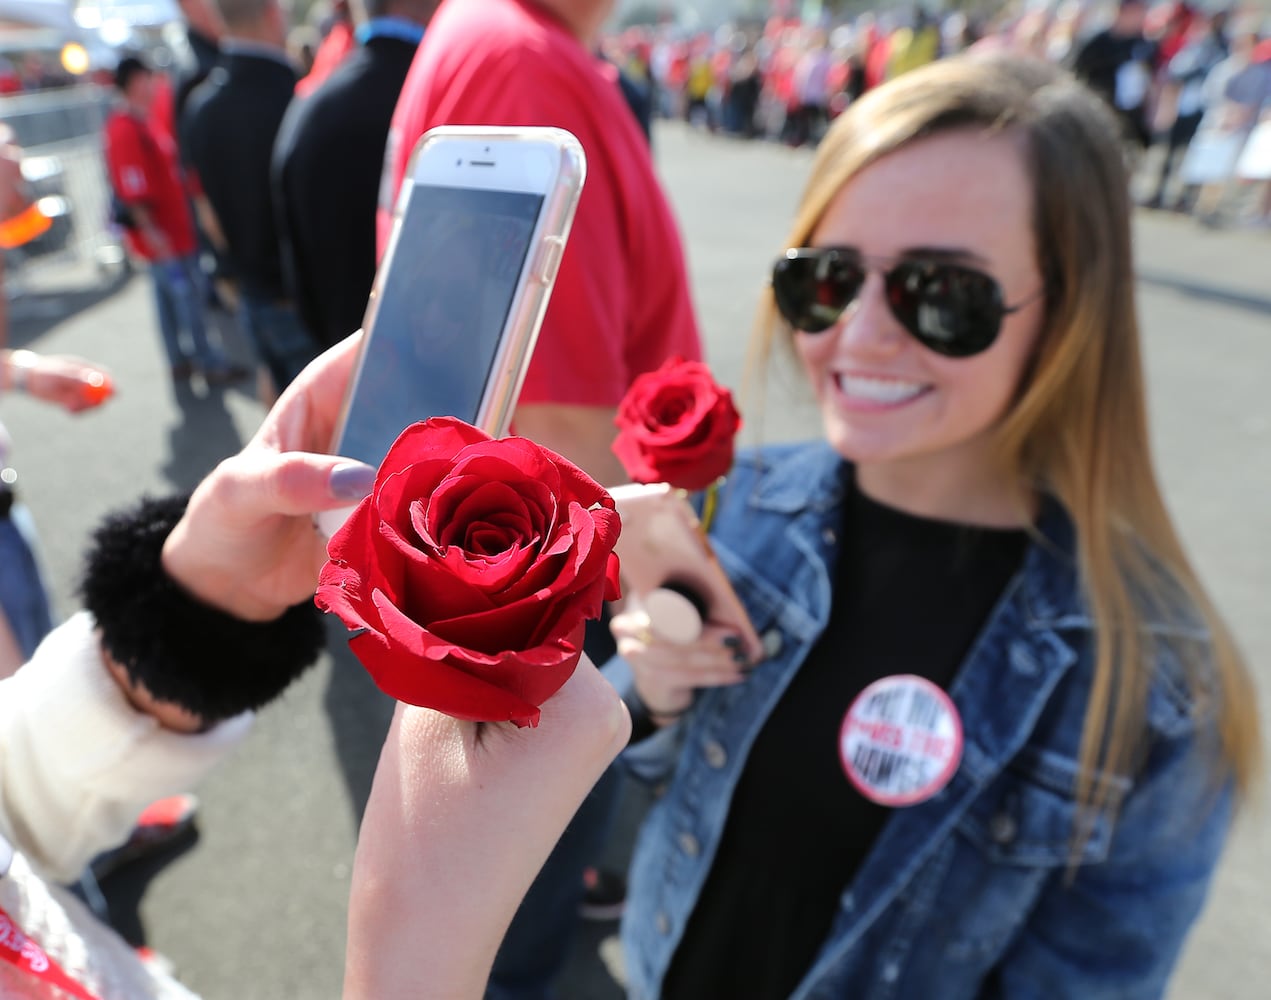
(901, 740)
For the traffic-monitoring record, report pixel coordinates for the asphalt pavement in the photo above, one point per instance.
(253, 908)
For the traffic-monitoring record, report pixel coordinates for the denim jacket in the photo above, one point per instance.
(980, 891)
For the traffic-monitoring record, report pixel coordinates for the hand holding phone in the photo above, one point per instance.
(478, 232)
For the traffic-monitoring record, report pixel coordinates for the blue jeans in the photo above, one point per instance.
(23, 599)
(537, 944)
(282, 343)
(178, 294)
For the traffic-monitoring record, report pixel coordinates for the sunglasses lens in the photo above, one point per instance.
(813, 288)
(956, 311)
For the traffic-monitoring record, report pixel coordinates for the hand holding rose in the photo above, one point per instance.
(471, 570)
(666, 673)
(460, 819)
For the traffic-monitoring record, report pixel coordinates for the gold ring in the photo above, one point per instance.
(645, 634)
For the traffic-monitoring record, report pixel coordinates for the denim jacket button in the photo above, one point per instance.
(689, 844)
(891, 972)
(1022, 659)
(1003, 828)
(772, 643)
(715, 754)
(829, 536)
(662, 922)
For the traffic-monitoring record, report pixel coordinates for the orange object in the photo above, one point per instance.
(96, 388)
(23, 227)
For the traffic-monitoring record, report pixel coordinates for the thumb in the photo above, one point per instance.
(297, 483)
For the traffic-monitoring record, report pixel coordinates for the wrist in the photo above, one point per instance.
(660, 717)
(184, 563)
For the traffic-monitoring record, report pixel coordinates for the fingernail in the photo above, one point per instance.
(351, 481)
(741, 656)
(732, 641)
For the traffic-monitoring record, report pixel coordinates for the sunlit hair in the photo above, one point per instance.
(1077, 428)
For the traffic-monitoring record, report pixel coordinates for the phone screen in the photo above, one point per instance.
(441, 310)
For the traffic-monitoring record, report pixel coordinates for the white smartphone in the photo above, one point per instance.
(479, 228)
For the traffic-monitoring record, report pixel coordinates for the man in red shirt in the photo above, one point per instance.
(621, 302)
(620, 307)
(142, 162)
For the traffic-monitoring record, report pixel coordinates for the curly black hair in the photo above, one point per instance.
(186, 652)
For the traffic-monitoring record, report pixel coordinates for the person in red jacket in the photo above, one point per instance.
(146, 180)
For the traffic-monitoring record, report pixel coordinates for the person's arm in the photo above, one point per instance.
(199, 612)
(155, 240)
(12, 202)
(460, 818)
(10, 653)
(69, 382)
(583, 434)
(1113, 930)
(209, 223)
(78, 763)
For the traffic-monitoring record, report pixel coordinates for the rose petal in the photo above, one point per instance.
(439, 686)
(532, 674)
(460, 501)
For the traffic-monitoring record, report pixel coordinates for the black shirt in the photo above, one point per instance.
(327, 163)
(910, 597)
(194, 68)
(230, 124)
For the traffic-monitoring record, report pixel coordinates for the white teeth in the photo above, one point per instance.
(878, 390)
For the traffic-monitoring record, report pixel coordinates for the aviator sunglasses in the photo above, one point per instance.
(949, 308)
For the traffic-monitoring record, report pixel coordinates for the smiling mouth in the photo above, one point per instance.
(878, 391)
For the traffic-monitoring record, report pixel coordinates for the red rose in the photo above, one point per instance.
(676, 425)
(471, 569)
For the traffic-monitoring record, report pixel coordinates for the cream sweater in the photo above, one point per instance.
(77, 766)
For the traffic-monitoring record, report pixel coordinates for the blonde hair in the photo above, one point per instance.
(1078, 426)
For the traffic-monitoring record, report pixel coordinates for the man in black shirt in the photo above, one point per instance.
(203, 29)
(327, 162)
(193, 63)
(230, 124)
(1117, 64)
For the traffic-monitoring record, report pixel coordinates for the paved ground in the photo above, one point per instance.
(255, 908)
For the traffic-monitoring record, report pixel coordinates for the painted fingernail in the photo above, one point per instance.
(741, 656)
(351, 481)
(732, 641)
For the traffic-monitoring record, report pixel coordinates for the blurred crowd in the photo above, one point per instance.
(30, 72)
(1191, 83)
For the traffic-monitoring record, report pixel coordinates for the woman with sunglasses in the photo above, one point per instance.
(997, 741)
